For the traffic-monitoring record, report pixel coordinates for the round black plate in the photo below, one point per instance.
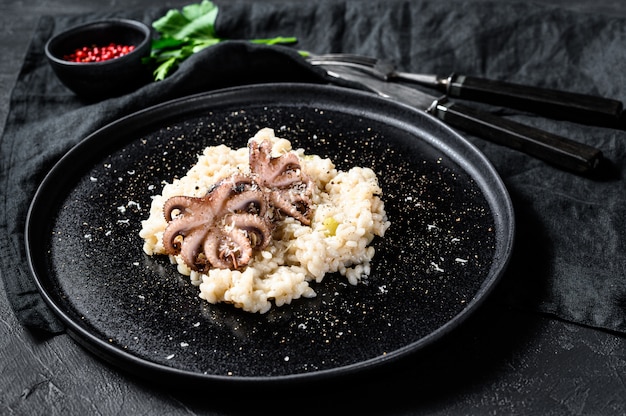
(450, 239)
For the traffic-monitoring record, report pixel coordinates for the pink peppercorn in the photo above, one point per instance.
(98, 53)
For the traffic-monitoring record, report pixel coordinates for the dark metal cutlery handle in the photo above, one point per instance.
(564, 105)
(556, 150)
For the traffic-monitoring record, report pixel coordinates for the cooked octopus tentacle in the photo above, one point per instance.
(228, 249)
(257, 228)
(295, 206)
(253, 202)
(186, 224)
(274, 172)
(190, 251)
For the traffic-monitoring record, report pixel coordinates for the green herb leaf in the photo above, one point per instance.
(194, 21)
(167, 43)
(188, 31)
(275, 41)
(163, 70)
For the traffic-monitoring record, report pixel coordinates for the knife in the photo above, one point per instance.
(564, 105)
(556, 150)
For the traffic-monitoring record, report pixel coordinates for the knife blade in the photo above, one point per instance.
(556, 150)
(564, 105)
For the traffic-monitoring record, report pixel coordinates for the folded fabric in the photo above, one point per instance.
(570, 254)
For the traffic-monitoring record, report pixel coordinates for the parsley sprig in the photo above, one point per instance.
(187, 31)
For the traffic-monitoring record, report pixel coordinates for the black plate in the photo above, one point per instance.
(449, 242)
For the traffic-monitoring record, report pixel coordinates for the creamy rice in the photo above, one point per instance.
(348, 214)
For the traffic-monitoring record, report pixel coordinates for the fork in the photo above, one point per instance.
(580, 108)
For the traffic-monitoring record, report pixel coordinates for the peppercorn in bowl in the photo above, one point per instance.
(101, 59)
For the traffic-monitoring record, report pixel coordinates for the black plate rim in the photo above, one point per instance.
(473, 162)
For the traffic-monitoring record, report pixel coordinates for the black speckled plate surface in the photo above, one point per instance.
(450, 239)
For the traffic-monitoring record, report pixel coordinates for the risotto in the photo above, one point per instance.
(346, 214)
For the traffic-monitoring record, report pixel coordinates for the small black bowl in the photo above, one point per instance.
(112, 77)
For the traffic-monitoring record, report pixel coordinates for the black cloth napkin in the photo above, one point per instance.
(570, 254)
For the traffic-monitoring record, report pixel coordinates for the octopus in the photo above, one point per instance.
(288, 189)
(236, 217)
